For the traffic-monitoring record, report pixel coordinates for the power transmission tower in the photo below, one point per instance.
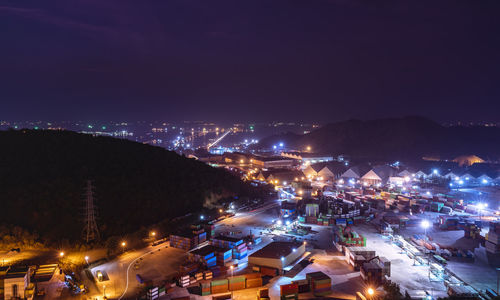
(90, 231)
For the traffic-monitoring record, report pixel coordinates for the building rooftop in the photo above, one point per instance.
(271, 158)
(16, 272)
(276, 250)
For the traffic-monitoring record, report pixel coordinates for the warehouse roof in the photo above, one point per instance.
(17, 272)
(276, 250)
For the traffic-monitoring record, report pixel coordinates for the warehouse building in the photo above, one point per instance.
(277, 255)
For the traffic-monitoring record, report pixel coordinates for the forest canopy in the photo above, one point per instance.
(43, 175)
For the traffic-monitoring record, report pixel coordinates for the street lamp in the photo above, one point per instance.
(425, 224)
(87, 260)
(61, 254)
(123, 246)
(232, 268)
(370, 292)
(481, 207)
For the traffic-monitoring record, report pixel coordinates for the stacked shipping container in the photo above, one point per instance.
(253, 280)
(205, 288)
(492, 243)
(319, 283)
(219, 286)
(237, 283)
(240, 251)
(289, 291)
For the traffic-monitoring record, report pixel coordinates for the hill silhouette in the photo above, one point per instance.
(43, 175)
(395, 138)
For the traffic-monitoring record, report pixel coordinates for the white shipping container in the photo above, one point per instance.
(493, 237)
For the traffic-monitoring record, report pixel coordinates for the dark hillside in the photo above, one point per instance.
(43, 175)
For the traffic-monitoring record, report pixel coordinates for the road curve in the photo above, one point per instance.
(128, 269)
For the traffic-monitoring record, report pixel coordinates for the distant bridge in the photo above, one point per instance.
(219, 139)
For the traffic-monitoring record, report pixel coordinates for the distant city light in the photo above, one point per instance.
(202, 217)
(279, 222)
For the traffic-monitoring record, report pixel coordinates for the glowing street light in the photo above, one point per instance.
(425, 224)
(123, 246)
(370, 293)
(279, 222)
(61, 254)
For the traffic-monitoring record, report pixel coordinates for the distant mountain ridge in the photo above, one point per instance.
(395, 138)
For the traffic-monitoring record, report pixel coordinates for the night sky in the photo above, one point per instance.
(237, 60)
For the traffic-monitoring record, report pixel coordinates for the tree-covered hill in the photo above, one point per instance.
(43, 175)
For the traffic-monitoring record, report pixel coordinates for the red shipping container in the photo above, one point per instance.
(288, 289)
(268, 271)
(253, 275)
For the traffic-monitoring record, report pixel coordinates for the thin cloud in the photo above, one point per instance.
(44, 17)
